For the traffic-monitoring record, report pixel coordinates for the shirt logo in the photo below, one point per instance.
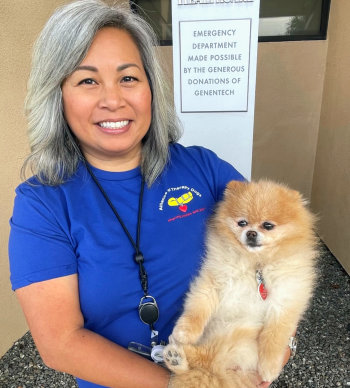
(181, 200)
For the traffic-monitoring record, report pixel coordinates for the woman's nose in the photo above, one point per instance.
(111, 98)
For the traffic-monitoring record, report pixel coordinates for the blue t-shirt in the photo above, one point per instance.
(70, 228)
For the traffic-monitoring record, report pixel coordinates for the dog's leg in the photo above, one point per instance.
(203, 378)
(180, 358)
(199, 378)
(206, 366)
(237, 350)
(273, 343)
(201, 302)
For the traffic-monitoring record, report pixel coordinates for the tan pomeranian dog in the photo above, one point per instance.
(255, 284)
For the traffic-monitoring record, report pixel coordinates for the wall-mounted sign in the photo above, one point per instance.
(214, 51)
(215, 65)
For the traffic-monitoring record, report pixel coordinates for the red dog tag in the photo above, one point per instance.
(262, 291)
(261, 284)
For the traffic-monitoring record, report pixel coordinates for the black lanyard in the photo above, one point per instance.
(148, 308)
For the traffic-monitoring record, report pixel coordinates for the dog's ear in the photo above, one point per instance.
(299, 197)
(235, 187)
(295, 195)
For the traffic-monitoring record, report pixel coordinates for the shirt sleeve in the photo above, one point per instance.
(39, 246)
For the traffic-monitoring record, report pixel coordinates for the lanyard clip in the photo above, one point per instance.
(148, 311)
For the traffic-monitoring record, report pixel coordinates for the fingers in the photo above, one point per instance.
(287, 355)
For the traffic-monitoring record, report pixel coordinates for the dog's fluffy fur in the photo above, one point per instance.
(227, 334)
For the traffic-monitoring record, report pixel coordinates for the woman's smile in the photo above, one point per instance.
(113, 124)
(114, 127)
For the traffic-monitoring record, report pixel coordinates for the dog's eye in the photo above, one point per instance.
(242, 223)
(268, 225)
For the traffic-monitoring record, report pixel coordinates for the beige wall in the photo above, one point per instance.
(331, 187)
(20, 22)
(289, 92)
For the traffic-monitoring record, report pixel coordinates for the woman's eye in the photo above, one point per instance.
(129, 78)
(87, 81)
(268, 225)
(242, 223)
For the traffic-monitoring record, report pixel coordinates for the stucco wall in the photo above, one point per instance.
(331, 187)
(20, 22)
(289, 92)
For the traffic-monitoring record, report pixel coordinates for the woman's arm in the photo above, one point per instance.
(56, 323)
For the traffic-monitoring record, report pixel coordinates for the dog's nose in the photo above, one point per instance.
(251, 234)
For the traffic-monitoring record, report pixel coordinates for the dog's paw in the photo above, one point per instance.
(175, 358)
(269, 371)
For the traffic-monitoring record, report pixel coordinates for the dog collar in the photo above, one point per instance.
(261, 284)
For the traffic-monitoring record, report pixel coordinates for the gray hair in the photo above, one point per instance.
(59, 49)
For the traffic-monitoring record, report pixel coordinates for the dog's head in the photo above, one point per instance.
(263, 216)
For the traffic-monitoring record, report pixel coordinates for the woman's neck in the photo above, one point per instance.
(114, 164)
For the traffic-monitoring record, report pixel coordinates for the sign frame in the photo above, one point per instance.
(226, 128)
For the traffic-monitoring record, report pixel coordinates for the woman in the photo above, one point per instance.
(99, 260)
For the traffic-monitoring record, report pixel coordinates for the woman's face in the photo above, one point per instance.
(107, 102)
